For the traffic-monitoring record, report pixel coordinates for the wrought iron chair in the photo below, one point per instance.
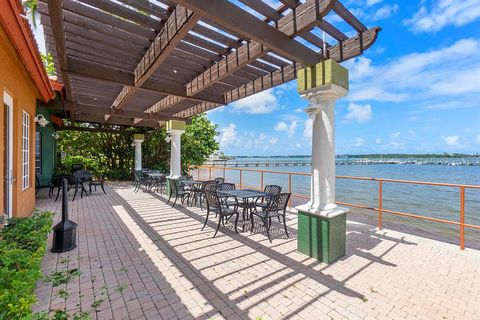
(198, 193)
(57, 181)
(276, 207)
(214, 204)
(272, 190)
(219, 180)
(227, 187)
(97, 181)
(176, 190)
(139, 178)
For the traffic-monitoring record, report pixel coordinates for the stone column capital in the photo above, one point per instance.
(175, 132)
(322, 94)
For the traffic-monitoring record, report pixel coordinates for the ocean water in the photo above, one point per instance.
(424, 200)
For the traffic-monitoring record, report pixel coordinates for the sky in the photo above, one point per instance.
(417, 90)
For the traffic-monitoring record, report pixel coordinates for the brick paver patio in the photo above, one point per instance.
(141, 259)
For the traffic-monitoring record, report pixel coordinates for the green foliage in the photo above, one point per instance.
(113, 154)
(22, 246)
(198, 143)
(60, 315)
(31, 6)
(60, 277)
(121, 288)
(47, 60)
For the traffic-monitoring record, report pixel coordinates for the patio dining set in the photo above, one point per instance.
(220, 198)
(78, 180)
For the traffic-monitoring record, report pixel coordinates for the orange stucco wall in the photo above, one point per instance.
(14, 79)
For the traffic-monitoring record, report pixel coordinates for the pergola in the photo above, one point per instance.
(147, 63)
(143, 62)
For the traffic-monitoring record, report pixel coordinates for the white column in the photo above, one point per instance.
(138, 153)
(322, 112)
(175, 153)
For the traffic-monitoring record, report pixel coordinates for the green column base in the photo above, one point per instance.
(169, 189)
(321, 237)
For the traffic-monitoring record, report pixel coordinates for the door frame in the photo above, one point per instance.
(8, 192)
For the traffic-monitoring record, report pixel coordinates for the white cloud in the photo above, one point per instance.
(478, 139)
(444, 13)
(358, 113)
(427, 77)
(273, 140)
(289, 129)
(228, 135)
(395, 135)
(452, 140)
(262, 102)
(378, 140)
(370, 3)
(359, 142)
(298, 110)
(385, 12)
(412, 133)
(307, 131)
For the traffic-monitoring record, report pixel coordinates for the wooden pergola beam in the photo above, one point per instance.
(114, 120)
(56, 19)
(98, 71)
(342, 51)
(105, 111)
(303, 18)
(231, 16)
(180, 21)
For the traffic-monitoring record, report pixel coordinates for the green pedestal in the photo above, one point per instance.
(321, 237)
(168, 188)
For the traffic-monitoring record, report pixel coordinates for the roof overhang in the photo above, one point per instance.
(12, 18)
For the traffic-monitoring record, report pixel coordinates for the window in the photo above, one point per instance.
(25, 150)
(38, 153)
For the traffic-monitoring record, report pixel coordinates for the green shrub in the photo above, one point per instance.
(22, 246)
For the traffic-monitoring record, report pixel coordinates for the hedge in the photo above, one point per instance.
(22, 246)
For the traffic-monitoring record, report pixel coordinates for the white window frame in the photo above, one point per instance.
(25, 150)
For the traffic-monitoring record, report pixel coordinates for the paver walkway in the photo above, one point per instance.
(141, 259)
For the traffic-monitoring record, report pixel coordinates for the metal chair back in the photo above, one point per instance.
(226, 186)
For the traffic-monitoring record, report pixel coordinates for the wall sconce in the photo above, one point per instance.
(168, 138)
(55, 135)
(41, 120)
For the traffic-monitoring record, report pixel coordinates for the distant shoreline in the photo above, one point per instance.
(372, 156)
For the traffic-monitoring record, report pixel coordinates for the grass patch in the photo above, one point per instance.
(60, 277)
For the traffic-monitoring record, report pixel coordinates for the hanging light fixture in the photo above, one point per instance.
(168, 138)
(41, 120)
(55, 135)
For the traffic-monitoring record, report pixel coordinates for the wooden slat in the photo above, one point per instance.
(331, 30)
(176, 27)
(102, 111)
(147, 7)
(56, 20)
(229, 15)
(85, 68)
(349, 18)
(124, 12)
(106, 18)
(302, 19)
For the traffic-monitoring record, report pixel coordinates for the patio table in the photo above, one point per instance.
(153, 179)
(248, 199)
(191, 184)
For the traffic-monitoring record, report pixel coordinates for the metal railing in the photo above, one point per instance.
(380, 209)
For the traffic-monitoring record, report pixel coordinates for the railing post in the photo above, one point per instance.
(210, 173)
(462, 217)
(198, 173)
(380, 204)
(290, 189)
(224, 173)
(261, 180)
(241, 172)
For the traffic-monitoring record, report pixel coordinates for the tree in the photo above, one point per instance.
(47, 60)
(198, 143)
(113, 154)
